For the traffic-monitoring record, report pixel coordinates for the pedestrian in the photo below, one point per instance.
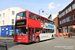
(70, 32)
(13, 35)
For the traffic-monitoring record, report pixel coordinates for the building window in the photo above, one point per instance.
(73, 6)
(0, 15)
(65, 12)
(68, 19)
(12, 21)
(3, 22)
(64, 20)
(73, 16)
(13, 12)
(60, 22)
(62, 14)
(3, 14)
(68, 9)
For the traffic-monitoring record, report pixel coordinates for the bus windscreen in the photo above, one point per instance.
(20, 31)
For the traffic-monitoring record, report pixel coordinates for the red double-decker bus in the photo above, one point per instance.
(31, 27)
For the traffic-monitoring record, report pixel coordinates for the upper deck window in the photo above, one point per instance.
(46, 21)
(21, 15)
(42, 19)
(31, 16)
(37, 17)
(50, 22)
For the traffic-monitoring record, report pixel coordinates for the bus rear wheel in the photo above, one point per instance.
(37, 40)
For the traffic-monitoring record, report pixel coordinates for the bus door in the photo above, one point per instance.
(31, 34)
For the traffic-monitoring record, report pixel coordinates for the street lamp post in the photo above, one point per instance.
(42, 11)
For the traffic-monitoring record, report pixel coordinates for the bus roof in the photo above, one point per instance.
(32, 13)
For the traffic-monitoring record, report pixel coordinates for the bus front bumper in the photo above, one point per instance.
(21, 41)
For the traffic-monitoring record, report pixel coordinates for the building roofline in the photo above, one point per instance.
(56, 17)
(67, 6)
(11, 7)
(51, 15)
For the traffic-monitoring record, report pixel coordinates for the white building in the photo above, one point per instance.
(7, 17)
(52, 16)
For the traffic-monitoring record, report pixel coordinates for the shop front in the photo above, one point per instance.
(64, 29)
(6, 30)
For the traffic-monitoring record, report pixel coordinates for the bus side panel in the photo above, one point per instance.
(44, 36)
(34, 23)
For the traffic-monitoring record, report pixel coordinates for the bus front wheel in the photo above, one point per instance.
(37, 39)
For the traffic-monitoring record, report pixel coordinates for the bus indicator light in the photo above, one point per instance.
(26, 27)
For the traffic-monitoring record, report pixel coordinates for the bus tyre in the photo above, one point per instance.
(37, 40)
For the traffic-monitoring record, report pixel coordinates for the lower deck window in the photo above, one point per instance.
(41, 30)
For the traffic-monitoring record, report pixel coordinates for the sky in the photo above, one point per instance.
(49, 6)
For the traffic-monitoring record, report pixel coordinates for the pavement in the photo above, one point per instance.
(73, 37)
(6, 38)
